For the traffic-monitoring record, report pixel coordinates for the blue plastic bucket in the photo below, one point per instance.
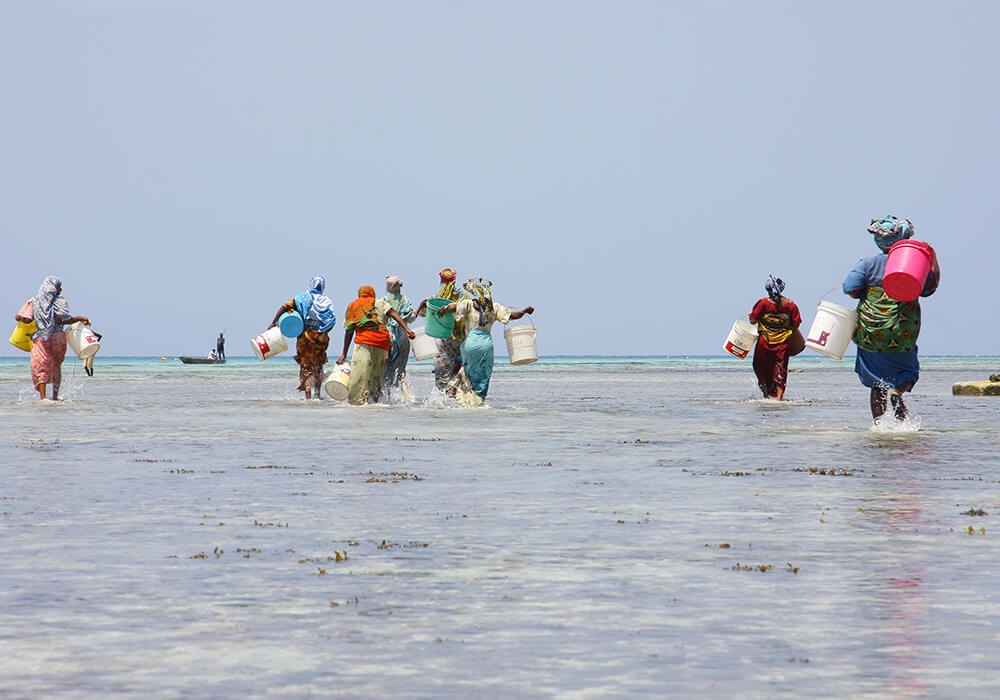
(439, 326)
(291, 324)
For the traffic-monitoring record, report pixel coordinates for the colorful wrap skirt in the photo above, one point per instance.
(770, 364)
(310, 349)
(46, 360)
(395, 361)
(447, 362)
(477, 360)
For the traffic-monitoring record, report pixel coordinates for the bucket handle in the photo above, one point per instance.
(823, 295)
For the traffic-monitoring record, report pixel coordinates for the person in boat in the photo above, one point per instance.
(50, 312)
(886, 335)
(316, 311)
(399, 349)
(478, 312)
(448, 360)
(365, 324)
(213, 355)
(220, 347)
(778, 337)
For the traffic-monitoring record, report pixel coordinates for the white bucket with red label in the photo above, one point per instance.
(82, 339)
(741, 339)
(269, 343)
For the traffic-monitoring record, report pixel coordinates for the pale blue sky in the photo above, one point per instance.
(635, 170)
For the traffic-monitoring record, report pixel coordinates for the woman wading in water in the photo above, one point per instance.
(778, 338)
(887, 330)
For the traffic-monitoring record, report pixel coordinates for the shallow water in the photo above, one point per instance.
(599, 529)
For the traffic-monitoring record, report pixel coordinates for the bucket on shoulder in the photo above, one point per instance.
(906, 269)
(291, 324)
(21, 337)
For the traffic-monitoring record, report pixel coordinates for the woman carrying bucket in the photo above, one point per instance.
(48, 343)
(449, 358)
(318, 319)
(471, 384)
(887, 330)
(778, 321)
(399, 350)
(364, 322)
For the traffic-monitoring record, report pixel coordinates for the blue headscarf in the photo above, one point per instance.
(774, 287)
(889, 230)
(49, 308)
(315, 308)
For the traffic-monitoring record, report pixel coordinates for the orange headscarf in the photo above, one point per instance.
(360, 311)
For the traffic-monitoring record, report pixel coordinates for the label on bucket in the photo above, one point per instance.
(736, 350)
(262, 344)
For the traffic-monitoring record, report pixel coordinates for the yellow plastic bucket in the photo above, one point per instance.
(21, 337)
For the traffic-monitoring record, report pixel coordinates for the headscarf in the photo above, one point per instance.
(447, 275)
(889, 230)
(315, 307)
(479, 290)
(774, 287)
(395, 297)
(360, 312)
(49, 306)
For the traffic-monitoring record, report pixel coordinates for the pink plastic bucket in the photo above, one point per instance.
(907, 269)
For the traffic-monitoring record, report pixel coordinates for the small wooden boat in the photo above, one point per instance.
(201, 360)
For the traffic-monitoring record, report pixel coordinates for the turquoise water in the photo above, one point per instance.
(606, 526)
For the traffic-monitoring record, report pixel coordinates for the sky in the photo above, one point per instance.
(634, 170)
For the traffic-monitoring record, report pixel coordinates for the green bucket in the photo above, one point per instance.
(439, 326)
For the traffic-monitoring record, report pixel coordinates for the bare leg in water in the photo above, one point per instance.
(882, 392)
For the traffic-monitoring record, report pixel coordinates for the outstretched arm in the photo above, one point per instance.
(514, 315)
(348, 337)
(394, 315)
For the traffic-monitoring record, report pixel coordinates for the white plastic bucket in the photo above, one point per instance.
(741, 338)
(338, 382)
(269, 343)
(423, 345)
(831, 331)
(521, 344)
(82, 340)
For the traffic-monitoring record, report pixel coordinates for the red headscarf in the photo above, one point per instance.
(447, 275)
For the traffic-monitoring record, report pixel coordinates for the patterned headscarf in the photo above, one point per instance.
(889, 230)
(360, 312)
(774, 287)
(315, 307)
(447, 289)
(48, 306)
(393, 284)
(479, 289)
